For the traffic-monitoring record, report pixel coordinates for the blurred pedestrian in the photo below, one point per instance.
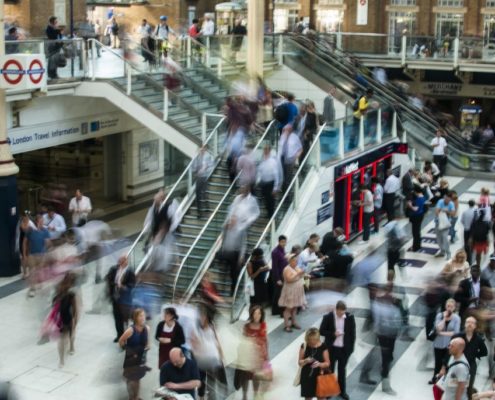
(444, 211)
(202, 167)
(439, 145)
(135, 341)
(368, 210)
(243, 212)
(289, 151)
(253, 359)
(329, 107)
(257, 270)
(246, 168)
(11, 36)
(54, 222)
(112, 29)
(377, 202)
(467, 218)
(480, 231)
(169, 334)
(120, 283)
(269, 179)
(390, 190)
(279, 262)
(417, 211)
(396, 238)
(161, 37)
(54, 47)
(472, 293)
(65, 296)
(37, 242)
(238, 33)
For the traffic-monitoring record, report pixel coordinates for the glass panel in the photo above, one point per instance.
(421, 47)
(470, 49)
(403, 2)
(450, 3)
(368, 44)
(387, 119)
(370, 127)
(329, 144)
(351, 134)
(399, 24)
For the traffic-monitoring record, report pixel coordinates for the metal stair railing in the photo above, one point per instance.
(218, 220)
(187, 181)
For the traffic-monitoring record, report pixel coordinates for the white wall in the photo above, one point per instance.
(286, 79)
(140, 184)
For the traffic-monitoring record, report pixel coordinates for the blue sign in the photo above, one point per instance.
(324, 213)
(325, 197)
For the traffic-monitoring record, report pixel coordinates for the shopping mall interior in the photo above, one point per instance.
(192, 193)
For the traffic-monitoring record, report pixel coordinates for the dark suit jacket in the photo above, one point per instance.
(327, 329)
(407, 185)
(464, 291)
(124, 295)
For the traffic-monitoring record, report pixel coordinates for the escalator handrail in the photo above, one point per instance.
(205, 264)
(176, 184)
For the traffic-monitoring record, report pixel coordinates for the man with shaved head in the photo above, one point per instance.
(457, 377)
(180, 374)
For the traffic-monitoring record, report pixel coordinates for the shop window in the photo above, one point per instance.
(489, 29)
(284, 19)
(490, 3)
(449, 24)
(403, 2)
(450, 3)
(330, 2)
(329, 21)
(399, 24)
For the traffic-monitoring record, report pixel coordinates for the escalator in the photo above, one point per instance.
(317, 63)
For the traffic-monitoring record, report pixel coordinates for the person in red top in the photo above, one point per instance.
(253, 363)
(194, 29)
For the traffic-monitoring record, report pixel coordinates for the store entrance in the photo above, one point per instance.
(348, 213)
(50, 176)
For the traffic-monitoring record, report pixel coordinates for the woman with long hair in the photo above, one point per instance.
(135, 342)
(65, 296)
(169, 334)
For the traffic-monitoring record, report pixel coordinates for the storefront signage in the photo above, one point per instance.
(324, 213)
(454, 89)
(368, 158)
(325, 197)
(23, 71)
(362, 12)
(47, 135)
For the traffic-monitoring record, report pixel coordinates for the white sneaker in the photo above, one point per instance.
(439, 253)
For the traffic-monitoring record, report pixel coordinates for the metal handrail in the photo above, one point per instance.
(229, 190)
(174, 187)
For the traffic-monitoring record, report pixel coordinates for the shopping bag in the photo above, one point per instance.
(327, 385)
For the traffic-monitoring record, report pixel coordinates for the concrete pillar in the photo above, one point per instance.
(9, 265)
(255, 28)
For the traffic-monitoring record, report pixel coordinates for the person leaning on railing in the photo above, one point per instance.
(53, 33)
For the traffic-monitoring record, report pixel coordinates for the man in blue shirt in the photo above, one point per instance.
(445, 208)
(37, 242)
(180, 374)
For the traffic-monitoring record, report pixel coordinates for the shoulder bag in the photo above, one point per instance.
(297, 379)
(327, 385)
(443, 221)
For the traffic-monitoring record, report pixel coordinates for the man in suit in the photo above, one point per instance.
(120, 282)
(472, 292)
(339, 329)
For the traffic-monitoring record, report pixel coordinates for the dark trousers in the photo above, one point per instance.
(440, 358)
(366, 225)
(416, 221)
(376, 217)
(389, 204)
(201, 184)
(339, 356)
(231, 258)
(441, 162)
(387, 345)
(473, 367)
(268, 198)
(393, 256)
(467, 247)
(277, 290)
(119, 317)
(288, 175)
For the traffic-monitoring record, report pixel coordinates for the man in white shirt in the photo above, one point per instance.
(208, 27)
(246, 166)
(202, 167)
(54, 222)
(80, 207)
(289, 150)
(392, 186)
(161, 35)
(377, 202)
(368, 209)
(269, 176)
(439, 145)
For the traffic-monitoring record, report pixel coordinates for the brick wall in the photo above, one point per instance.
(32, 15)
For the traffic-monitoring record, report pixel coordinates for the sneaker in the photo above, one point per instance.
(439, 253)
(363, 241)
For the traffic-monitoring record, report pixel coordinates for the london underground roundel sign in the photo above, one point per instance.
(36, 71)
(12, 72)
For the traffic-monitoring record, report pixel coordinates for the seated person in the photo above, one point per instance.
(339, 263)
(180, 374)
(309, 261)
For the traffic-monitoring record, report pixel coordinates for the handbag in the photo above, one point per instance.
(297, 378)
(266, 373)
(50, 330)
(443, 221)
(327, 385)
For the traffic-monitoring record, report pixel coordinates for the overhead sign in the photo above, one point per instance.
(42, 136)
(23, 71)
(324, 213)
(362, 12)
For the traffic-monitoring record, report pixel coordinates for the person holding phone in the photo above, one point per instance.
(447, 324)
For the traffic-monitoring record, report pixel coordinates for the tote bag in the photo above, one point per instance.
(443, 221)
(327, 385)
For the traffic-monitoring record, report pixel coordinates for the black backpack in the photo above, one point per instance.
(282, 113)
(480, 228)
(355, 105)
